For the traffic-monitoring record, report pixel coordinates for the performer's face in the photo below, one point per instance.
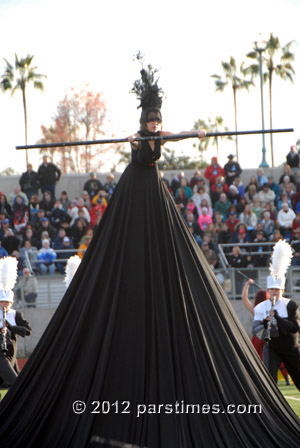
(5, 304)
(274, 292)
(153, 125)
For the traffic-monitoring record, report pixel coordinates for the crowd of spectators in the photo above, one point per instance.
(216, 205)
(220, 209)
(47, 229)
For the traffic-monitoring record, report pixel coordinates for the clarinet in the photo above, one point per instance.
(3, 336)
(268, 331)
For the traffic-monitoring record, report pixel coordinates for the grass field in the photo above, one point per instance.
(293, 393)
(2, 393)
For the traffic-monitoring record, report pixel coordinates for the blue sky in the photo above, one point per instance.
(93, 42)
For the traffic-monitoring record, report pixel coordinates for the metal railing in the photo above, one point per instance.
(222, 255)
(52, 288)
(29, 261)
(233, 281)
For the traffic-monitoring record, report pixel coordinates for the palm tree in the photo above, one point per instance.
(283, 69)
(217, 125)
(17, 77)
(237, 80)
(203, 143)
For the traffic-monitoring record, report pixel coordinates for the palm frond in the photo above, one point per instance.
(289, 67)
(289, 77)
(273, 43)
(287, 56)
(252, 55)
(226, 67)
(38, 85)
(6, 84)
(232, 63)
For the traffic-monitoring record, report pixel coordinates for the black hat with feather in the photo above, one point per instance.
(149, 94)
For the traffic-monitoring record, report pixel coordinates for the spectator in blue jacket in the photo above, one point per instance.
(58, 214)
(47, 255)
(274, 187)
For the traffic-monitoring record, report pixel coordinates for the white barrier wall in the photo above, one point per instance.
(73, 183)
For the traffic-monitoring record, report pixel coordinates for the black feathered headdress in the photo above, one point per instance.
(148, 93)
(147, 90)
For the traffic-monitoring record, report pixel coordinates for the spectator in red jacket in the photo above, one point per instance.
(232, 221)
(220, 180)
(213, 171)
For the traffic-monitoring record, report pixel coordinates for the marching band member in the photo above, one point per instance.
(12, 323)
(279, 317)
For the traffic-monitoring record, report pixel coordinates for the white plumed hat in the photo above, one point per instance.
(8, 278)
(71, 268)
(280, 261)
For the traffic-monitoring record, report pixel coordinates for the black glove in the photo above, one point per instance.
(8, 326)
(266, 323)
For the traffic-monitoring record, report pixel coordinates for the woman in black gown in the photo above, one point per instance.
(143, 332)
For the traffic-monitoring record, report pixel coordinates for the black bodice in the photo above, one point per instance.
(145, 155)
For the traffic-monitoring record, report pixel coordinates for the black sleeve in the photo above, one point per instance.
(291, 323)
(39, 174)
(22, 328)
(57, 170)
(36, 180)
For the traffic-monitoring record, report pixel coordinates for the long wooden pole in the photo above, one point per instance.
(155, 137)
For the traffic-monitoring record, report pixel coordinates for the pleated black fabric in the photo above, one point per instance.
(145, 322)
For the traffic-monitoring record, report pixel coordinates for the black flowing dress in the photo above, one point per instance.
(147, 339)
